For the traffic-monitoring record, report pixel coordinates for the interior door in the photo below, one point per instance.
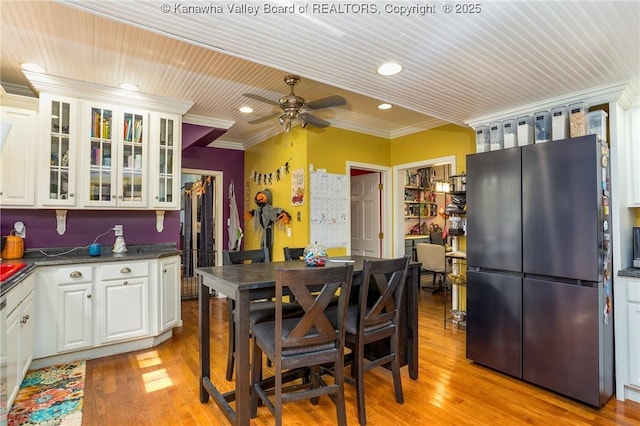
(365, 215)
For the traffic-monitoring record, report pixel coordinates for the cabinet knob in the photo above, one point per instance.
(24, 319)
(75, 274)
(125, 270)
(157, 197)
(88, 296)
(164, 271)
(71, 195)
(120, 197)
(125, 283)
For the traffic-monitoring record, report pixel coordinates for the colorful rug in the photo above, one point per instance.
(50, 396)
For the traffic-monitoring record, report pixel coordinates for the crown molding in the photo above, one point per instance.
(226, 145)
(18, 101)
(613, 92)
(200, 120)
(83, 90)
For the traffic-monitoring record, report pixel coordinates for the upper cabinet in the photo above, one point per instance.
(97, 148)
(166, 160)
(116, 146)
(633, 174)
(58, 162)
(17, 158)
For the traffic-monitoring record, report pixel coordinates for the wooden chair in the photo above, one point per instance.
(260, 311)
(307, 342)
(293, 253)
(432, 257)
(374, 318)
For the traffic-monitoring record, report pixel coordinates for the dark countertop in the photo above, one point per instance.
(629, 272)
(56, 256)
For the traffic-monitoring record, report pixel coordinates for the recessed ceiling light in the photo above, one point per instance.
(129, 86)
(246, 109)
(389, 68)
(384, 106)
(26, 66)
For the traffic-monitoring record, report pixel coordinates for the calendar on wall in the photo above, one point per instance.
(329, 204)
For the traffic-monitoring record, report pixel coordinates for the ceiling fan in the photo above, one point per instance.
(295, 107)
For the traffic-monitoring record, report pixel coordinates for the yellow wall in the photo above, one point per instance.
(442, 141)
(267, 157)
(330, 149)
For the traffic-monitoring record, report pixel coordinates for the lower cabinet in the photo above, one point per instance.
(91, 306)
(169, 292)
(123, 291)
(627, 338)
(20, 334)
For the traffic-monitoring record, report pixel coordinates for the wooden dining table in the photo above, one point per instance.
(246, 282)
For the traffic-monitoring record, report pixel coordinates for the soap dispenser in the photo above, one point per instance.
(119, 246)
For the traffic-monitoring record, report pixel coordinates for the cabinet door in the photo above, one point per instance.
(633, 327)
(132, 159)
(633, 146)
(59, 146)
(26, 335)
(99, 152)
(124, 309)
(169, 293)
(13, 354)
(75, 309)
(166, 145)
(18, 158)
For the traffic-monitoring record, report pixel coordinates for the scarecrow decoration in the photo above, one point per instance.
(265, 216)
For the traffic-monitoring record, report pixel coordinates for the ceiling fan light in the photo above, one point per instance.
(303, 122)
(287, 125)
(281, 119)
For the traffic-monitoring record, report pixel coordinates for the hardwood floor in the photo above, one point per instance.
(159, 386)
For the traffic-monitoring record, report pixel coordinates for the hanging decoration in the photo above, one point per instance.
(199, 187)
(273, 176)
(264, 218)
(297, 187)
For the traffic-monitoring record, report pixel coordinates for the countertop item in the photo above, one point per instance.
(35, 257)
(629, 272)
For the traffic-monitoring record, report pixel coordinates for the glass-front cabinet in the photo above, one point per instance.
(60, 151)
(117, 152)
(165, 175)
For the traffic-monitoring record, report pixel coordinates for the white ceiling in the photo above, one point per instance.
(457, 67)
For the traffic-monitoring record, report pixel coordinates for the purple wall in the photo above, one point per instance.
(84, 225)
(228, 161)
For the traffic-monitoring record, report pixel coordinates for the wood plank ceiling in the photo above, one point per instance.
(457, 67)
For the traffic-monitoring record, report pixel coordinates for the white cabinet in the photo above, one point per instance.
(74, 316)
(115, 149)
(169, 292)
(104, 308)
(123, 291)
(18, 158)
(627, 337)
(166, 157)
(58, 162)
(632, 118)
(633, 331)
(20, 335)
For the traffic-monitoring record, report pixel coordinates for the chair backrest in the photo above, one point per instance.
(244, 256)
(293, 253)
(381, 295)
(432, 257)
(435, 237)
(313, 332)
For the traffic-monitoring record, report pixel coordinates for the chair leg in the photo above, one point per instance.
(256, 378)
(358, 360)
(231, 354)
(341, 412)
(395, 369)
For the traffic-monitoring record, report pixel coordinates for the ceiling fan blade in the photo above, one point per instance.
(315, 121)
(265, 118)
(328, 102)
(260, 98)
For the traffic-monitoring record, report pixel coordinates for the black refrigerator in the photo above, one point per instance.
(539, 290)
